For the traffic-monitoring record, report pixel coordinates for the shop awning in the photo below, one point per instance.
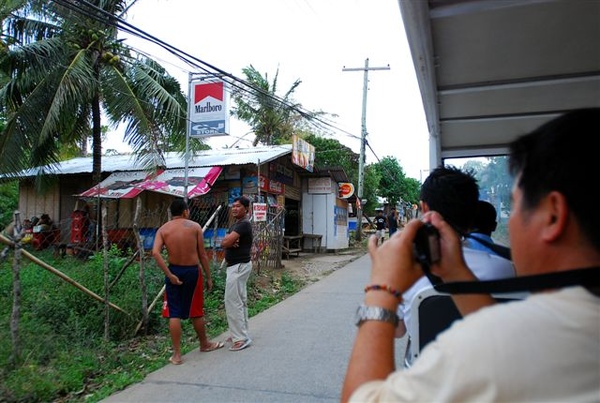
(127, 185)
(119, 185)
(171, 181)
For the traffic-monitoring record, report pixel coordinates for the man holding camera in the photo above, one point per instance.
(454, 194)
(543, 348)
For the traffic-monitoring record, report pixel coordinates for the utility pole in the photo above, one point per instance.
(361, 162)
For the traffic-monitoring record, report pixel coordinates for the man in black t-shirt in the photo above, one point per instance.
(380, 224)
(237, 244)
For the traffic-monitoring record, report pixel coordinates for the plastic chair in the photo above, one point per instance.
(434, 312)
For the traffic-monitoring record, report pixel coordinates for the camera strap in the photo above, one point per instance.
(587, 277)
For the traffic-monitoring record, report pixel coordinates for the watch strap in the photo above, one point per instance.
(365, 312)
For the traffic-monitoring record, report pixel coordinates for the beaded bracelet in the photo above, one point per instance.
(384, 287)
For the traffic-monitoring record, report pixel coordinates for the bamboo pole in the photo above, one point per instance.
(60, 274)
(141, 322)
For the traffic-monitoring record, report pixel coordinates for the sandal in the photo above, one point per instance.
(175, 362)
(240, 345)
(213, 346)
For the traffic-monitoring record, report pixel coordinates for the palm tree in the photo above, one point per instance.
(61, 86)
(272, 119)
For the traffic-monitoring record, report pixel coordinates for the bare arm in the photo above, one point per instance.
(156, 254)
(372, 356)
(204, 263)
(394, 265)
(231, 240)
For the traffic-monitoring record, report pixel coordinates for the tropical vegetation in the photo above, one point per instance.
(65, 71)
(66, 356)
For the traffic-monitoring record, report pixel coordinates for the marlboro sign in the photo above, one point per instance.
(209, 109)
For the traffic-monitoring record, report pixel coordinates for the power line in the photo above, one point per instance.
(232, 80)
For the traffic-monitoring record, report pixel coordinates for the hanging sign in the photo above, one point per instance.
(345, 190)
(303, 153)
(208, 109)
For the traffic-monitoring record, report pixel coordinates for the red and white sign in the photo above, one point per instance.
(345, 190)
(275, 187)
(259, 210)
(208, 110)
(263, 183)
(172, 181)
(119, 185)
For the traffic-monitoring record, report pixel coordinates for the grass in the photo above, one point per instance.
(64, 354)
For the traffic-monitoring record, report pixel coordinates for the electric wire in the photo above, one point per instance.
(246, 90)
(193, 61)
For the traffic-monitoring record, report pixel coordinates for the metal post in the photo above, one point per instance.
(187, 142)
(363, 141)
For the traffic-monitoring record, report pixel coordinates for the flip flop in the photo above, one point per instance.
(214, 346)
(240, 345)
(175, 362)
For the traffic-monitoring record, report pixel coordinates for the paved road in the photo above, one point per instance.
(300, 352)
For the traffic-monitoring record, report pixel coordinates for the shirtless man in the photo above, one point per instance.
(183, 278)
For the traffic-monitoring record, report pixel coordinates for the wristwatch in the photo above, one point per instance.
(365, 312)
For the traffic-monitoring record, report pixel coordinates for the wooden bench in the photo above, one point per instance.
(291, 244)
(315, 241)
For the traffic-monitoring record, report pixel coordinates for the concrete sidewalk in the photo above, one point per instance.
(300, 351)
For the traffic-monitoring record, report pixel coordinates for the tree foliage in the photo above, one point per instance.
(494, 181)
(62, 82)
(331, 153)
(394, 186)
(9, 200)
(372, 177)
(273, 119)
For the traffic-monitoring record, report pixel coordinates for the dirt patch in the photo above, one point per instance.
(311, 267)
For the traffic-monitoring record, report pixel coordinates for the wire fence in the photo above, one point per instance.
(102, 223)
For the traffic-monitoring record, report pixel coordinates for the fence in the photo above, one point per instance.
(80, 235)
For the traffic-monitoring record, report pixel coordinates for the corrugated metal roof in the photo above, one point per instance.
(206, 158)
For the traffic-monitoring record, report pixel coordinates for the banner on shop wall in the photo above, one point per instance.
(319, 185)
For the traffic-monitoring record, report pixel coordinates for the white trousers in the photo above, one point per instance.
(236, 300)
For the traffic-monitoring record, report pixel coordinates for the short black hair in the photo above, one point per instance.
(453, 193)
(485, 220)
(560, 156)
(178, 206)
(244, 201)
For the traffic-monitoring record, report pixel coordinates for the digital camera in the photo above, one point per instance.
(427, 245)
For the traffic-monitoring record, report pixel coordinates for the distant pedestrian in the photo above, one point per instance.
(238, 244)
(184, 282)
(392, 221)
(380, 224)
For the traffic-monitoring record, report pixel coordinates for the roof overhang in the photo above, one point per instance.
(491, 70)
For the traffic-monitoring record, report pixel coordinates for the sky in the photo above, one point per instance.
(309, 40)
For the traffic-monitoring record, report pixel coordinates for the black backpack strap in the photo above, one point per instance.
(501, 250)
(588, 278)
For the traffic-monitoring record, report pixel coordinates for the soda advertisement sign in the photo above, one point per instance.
(209, 109)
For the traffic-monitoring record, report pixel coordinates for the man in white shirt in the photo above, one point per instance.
(542, 348)
(454, 194)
